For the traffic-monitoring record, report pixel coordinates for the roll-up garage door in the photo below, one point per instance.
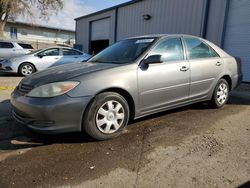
(237, 33)
(100, 30)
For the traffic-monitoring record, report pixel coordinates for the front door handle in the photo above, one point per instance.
(184, 69)
(218, 63)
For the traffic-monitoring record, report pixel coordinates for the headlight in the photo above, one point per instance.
(52, 89)
(6, 61)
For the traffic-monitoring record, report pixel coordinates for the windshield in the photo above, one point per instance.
(124, 51)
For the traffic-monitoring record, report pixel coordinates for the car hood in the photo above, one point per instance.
(65, 72)
(19, 58)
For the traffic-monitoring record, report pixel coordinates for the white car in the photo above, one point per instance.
(42, 59)
(12, 49)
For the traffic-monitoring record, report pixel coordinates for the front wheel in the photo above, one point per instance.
(26, 69)
(106, 116)
(221, 94)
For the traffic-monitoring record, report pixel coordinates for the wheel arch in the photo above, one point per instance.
(127, 96)
(28, 63)
(228, 79)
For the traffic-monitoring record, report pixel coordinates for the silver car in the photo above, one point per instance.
(12, 49)
(133, 78)
(42, 59)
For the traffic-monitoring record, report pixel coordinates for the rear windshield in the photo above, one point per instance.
(25, 46)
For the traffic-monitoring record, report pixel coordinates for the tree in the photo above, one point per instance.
(13, 8)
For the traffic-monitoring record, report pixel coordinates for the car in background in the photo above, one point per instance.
(42, 59)
(10, 49)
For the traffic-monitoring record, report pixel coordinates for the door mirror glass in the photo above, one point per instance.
(153, 59)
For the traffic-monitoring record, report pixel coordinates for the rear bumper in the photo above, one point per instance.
(237, 80)
(52, 115)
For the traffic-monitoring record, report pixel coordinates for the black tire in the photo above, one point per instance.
(92, 114)
(215, 102)
(30, 69)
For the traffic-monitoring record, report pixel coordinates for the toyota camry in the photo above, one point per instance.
(130, 79)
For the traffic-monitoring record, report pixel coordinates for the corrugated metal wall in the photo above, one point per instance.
(216, 21)
(237, 39)
(168, 16)
(204, 18)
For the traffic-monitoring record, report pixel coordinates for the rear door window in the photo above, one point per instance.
(198, 49)
(66, 52)
(6, 45)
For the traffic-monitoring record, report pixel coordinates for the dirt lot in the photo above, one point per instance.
(192, 146)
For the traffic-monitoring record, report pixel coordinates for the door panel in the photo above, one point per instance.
(205, 65)
(48, 58)
(70, 56)
(47, 61)
(164, 84)
(204, 75)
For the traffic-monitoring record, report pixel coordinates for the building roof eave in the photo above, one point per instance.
(108, 9)
(40, 26)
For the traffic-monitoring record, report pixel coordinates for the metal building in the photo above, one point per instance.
(224, 22)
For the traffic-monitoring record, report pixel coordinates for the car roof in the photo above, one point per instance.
(59, 47)
(163, 35)
(9, 41)
(6, 41)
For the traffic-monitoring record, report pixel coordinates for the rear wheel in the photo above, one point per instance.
(106, 116)
(26, 69)
(221, 94)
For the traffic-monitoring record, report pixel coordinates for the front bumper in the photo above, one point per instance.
(51, 115)
(5, 68)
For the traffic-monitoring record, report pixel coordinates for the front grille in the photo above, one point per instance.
(24, 89)
(18, 117)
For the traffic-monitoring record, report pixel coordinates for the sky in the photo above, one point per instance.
(72, 9)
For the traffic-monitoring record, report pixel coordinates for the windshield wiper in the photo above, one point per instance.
(98, 62)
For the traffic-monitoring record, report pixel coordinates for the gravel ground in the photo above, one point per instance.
(192, 146)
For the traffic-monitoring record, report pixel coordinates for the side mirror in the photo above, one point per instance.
(153, 59)
(40, 55)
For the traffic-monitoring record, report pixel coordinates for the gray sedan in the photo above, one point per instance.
(133, 78)
(42, 59)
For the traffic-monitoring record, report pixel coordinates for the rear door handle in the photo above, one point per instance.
(184, 69)
(218, 63)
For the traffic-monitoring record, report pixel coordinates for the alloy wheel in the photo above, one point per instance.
(27, 70)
